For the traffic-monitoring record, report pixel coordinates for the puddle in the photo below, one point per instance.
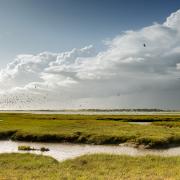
(62, 151)
(141, 123)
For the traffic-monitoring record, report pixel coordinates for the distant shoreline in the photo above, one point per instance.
(97, 110)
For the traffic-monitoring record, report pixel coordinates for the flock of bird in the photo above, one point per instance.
(21, 101)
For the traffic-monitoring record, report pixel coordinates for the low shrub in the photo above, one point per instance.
(43, 149)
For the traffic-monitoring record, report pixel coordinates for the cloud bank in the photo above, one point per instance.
(138, 69)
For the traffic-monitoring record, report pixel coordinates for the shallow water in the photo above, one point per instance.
(61, 151)
(140, 123)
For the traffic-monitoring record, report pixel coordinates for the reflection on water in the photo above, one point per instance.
(140, 123)
(61, 151)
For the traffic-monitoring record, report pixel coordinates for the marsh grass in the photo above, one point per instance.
(89, 167)
(164, 131)
(26, 148)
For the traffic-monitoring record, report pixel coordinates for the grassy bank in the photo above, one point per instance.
(28, 166)
(98, 129)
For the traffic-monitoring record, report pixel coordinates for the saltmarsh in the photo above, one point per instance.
(164, 130)
(89, 167)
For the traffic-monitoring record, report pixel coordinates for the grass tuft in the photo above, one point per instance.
(26, 148)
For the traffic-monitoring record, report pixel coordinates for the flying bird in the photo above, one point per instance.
(144, 45)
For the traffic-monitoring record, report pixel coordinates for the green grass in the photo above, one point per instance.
(25, 148)
(89, 167)
(97, 129)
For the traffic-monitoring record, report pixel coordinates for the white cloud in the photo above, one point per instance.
(136, 64)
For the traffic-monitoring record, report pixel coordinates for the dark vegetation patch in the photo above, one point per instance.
(29, 148)
(44, 149)
(6, 134)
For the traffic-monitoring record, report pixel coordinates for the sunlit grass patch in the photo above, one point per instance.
(98, 166)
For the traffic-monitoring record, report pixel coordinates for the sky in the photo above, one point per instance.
(34, 26)
(60, 54)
